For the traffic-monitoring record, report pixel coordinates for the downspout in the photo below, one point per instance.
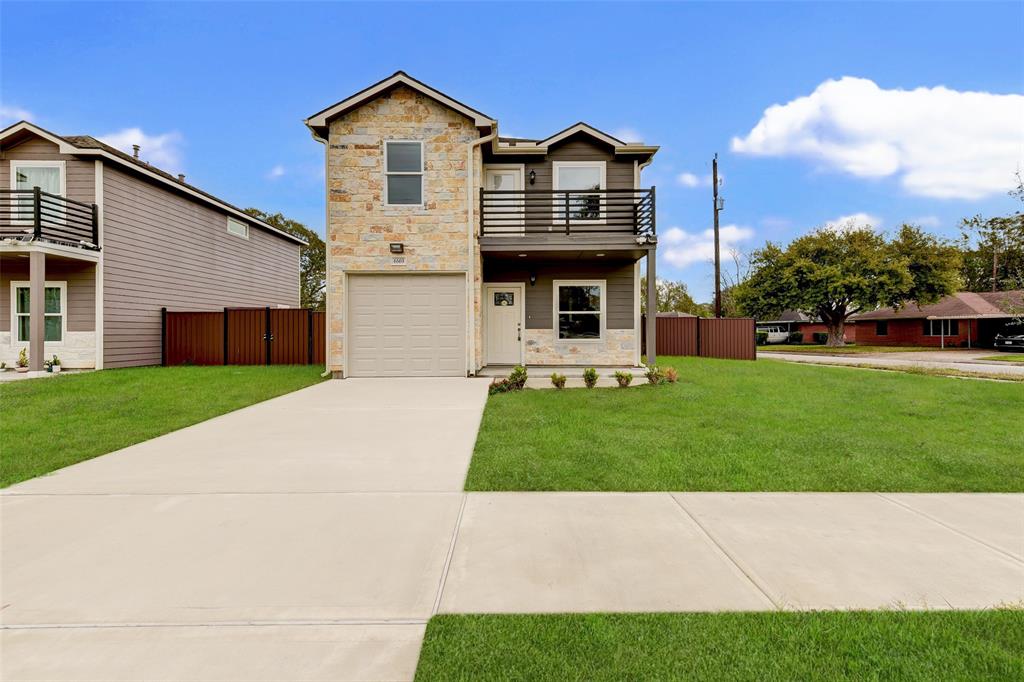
(470, 246)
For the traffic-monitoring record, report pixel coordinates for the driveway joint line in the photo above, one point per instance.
(448, 559)
(217, 624)
(947, 526)
(747, 573)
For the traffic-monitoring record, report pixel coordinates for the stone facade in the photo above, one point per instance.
(360, 227)
(78, 351)
(618, 348)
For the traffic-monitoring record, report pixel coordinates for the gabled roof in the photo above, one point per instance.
(87, 145)
(318, 121)
(963, 305)
(507, 145)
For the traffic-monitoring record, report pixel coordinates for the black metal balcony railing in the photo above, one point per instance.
(512, 212)
(32, 214)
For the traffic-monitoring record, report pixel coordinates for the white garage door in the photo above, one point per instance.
(406, 325)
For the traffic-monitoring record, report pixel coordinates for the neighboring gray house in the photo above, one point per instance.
(93, 242)
(451, 248)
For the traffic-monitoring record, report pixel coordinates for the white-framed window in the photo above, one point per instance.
(578, 177)
(942, 327)
(238, 228)
(403, 173)
(49, 176)
(579, 309)
(54, 311)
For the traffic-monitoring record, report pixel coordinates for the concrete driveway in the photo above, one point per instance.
(300, 538)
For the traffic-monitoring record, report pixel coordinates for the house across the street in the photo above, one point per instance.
(94, 242)
(452, 248)
(964, 320)
(791, 321)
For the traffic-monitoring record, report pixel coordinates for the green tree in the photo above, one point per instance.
(312, 256)
(993, 249)
(834, 274)
(673, 297)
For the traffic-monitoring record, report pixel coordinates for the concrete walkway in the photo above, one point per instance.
(969, 362)
(312, 536)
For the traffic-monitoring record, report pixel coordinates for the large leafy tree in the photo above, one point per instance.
(833, 274)
(313, 257)
(673, 297)
(993, 249)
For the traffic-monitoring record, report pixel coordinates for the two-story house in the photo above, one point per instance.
(451, 248)
(94, 242)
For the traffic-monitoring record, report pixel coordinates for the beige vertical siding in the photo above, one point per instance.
(163, 249)
(80, 176)
(80, 277)
(619, 276)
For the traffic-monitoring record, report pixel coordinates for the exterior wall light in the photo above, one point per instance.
(397, 247)
(533, 176)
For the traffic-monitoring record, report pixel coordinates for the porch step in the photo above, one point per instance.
(570, 371)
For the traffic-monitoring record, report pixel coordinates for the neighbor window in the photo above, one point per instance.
(53, 311)
(582, 176)
(238, 228)
(403, 173)
(579, 307)
(881, 328)
(941, 327)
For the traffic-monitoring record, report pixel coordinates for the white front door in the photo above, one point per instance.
(505, 210)
(503, 324)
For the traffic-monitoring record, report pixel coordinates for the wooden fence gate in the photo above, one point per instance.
(730, 338)
(243, 336)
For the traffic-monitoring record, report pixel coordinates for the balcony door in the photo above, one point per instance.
(48, 176)
(504, 211)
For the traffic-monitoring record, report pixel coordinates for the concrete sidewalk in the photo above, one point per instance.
(312, 536)
(906, 360)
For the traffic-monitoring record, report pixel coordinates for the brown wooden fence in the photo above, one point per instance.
(730, 338)
(243, 336)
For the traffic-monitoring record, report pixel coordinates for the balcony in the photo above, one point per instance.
(577, 216)
(34, 215)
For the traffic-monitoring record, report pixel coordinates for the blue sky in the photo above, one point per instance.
(219, 91)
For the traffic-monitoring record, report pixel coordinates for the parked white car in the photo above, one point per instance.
(775, 334)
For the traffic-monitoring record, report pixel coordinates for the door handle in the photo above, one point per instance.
(519, 332)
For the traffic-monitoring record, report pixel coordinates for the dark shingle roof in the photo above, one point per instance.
(966, 304)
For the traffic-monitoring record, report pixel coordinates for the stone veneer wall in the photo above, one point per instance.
(360, 227)
(619, 348)
(77, 352)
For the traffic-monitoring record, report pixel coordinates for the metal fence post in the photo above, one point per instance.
(267, 335)
(163, 337)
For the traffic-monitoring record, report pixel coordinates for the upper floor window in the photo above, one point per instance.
(578, 177)
(238, 228)
(48, 176)
(403, 173)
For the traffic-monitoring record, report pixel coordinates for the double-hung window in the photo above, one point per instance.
(48, 176)
(882, 328)
(941, 327)
(54, 307)
(573, 182)
(579, 309)
(403, 173)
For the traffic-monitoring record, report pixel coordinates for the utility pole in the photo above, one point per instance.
(718, 253)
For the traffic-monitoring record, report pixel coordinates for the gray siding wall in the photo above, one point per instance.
(80, 175)
(539, 301)
(164, 249)
(81, 289)
(582, 148)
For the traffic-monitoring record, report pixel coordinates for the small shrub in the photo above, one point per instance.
(820, 338)
(23, 358)
(55, 362)
(671, 375)
(590, 377)
(655, 375)
(624, 379)
(796, 337)
(499, 386)
(761, 338)
(517, 377)
(558, 380)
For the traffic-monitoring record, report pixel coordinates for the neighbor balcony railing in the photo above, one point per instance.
(512, 212)
(32, 214)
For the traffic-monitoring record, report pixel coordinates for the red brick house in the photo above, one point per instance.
(796, 321)
(963, 320)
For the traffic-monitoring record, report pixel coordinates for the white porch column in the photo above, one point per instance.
(652, 307)
(37, 309)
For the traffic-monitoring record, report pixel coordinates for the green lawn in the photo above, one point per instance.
(52, 422)
(880, 645)
(1006, 357)
(843, 350)
(744, 426)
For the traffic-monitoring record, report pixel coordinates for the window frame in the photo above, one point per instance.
(236, 221)
(602, 313)
(559, 202)
(422, 173)
(882, 328)
(945, 328)
(63, 286)
(60, 165)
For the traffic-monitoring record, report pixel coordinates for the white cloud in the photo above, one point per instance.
(926, 221)
(9, 114)
(854, 221)
(686, 248)
(163, 151)
(939, 142)
(627, 134)
(276, 172)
